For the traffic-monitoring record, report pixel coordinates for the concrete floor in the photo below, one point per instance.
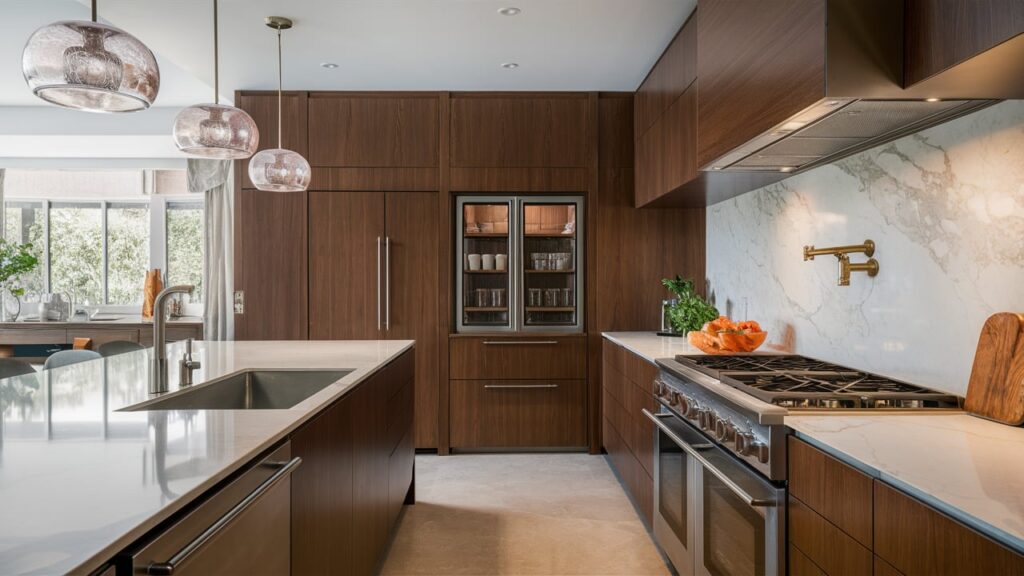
(552, 514)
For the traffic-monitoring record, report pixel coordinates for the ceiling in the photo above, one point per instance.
(377, 44)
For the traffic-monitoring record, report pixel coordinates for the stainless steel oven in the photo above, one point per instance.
(713, 515)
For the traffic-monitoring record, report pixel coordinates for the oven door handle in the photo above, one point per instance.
(693, 452)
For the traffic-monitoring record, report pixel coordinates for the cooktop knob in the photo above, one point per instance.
(684, 403)
(743, 442)
(673, 398)
(706, 419)
(724, 430)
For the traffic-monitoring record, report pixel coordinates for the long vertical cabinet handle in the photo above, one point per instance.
(378, 284)
(387, 283)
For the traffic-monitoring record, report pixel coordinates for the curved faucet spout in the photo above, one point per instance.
(158, 374)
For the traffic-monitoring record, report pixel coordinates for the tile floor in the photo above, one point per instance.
(550, 514)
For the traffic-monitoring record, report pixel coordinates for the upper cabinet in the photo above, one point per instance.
(374, 141)
(262, 106)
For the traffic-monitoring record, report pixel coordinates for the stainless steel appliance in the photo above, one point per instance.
(720, 466)
(519, 263)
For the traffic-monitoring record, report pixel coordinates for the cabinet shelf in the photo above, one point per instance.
(485, 309)
(485, 235)
(551, 271)
(550, 309)
(485, 271)
(571, 236)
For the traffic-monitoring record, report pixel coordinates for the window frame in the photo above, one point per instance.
(158, 206)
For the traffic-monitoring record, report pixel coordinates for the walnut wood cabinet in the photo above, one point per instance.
(354, 478)
(373, 275)
(842, 521)
(626, 381)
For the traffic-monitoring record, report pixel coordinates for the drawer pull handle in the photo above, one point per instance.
(502, 386)
(520, 342)
(167, 568)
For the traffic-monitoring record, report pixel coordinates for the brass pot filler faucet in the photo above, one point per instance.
(842, 253)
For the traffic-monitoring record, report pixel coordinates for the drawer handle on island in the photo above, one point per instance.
(502, 386)
(520, 342)
(167, 568)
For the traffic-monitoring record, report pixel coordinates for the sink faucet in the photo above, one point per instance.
(158, 375)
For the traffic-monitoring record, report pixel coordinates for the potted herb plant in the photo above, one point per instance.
(15, 260)
(688, 311)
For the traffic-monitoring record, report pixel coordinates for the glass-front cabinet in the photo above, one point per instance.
(520, 263)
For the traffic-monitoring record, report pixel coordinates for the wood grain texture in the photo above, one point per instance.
(639, 486)
(544, 130)
(801, 565)
(271, 265)
(344, 228)
(540, 357)
(484, 417)
(675, 70)
(511, 180)
(370, 475)
(666, 153)
(839, 493)
(373, 130)
(367, 179)
(996, 387)
(591, 348)
(262, 107)
(411, 226)
(883, 568)
(918, 540)
(943, 33)
(322, 506)
(445, 312)
(759, 62)
(828, 547)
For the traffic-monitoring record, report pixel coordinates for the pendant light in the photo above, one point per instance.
(90, 66)
(279, 170)
(213, 130)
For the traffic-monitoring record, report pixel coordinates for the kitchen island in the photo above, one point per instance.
(81, 479)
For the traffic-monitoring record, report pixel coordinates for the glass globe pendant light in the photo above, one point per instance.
(214, 130)
(277, 169)
(90, 66)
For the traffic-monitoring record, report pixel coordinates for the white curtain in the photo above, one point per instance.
(214, 179)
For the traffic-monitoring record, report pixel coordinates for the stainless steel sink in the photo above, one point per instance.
(250, 390)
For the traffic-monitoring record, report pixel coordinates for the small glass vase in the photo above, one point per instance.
(11, 308)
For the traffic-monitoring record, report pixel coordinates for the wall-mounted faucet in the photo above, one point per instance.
(842, 253)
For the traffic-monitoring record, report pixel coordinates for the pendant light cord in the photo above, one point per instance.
(216, 57)
(279, 87)
(94, 11)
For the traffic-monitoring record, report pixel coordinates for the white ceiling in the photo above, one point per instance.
(378, 44)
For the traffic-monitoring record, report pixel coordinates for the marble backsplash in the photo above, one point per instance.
(945, 208)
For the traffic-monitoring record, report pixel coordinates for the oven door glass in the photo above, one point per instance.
(734, 532)
(674, 518)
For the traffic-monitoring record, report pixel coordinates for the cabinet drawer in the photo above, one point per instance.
(34, 336)
(103, 336)
(834, 490)
(917, 539)
(518, 414)
(801, 565)
(534, 358)
(828, 547)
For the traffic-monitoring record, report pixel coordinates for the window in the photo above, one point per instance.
(97, 233)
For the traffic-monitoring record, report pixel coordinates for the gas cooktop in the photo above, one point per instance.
(799, 382)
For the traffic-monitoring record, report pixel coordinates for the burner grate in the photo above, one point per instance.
(759, 363)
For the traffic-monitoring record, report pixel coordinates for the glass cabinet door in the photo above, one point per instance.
(485, 268)
(550, 264)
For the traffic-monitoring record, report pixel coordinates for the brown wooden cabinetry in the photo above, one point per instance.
(627, 381)
(556, 357)
(373, 275)
(348, 492)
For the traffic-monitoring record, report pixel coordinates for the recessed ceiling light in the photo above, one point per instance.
(786, 169)
(510, 65)
(931, 99)
(509, 11)
(328, 65)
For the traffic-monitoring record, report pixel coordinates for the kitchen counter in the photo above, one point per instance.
(120, 320)
(967, 467)
(80, 480)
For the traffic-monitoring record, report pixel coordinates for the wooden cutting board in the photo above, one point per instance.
(996, 389)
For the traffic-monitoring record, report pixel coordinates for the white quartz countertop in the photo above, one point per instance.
(968, 467)
(80, 480)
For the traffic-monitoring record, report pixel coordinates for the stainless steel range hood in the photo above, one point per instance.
(838, 127)
(863, 103)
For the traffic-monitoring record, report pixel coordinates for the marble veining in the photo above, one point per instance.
(80, 480)
(963, 465)
(946, 210)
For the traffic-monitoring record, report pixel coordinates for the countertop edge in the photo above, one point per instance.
(101, 557)
(998, 535)
(614, 337)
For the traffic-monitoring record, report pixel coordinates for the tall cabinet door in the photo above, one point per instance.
(411, 309)
(346, 257)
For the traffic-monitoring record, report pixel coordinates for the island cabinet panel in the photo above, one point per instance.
(828, 547)
(262, 107)
(919, 540)
(943, 33)
(374, 141)
(837, 492)
(518, 414)
(271, 265)
(374, 275)
(757, 62)
(627, 382)
(348, 493)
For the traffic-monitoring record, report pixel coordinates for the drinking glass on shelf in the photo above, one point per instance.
(551, 297)
(497, 297)
(567, 297)
(501, 261)
(534, 297)
(482, 297)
